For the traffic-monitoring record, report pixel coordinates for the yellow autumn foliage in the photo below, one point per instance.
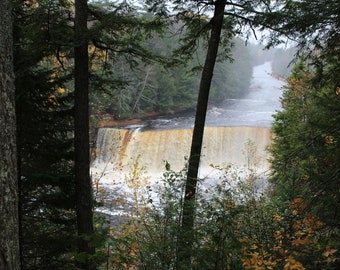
(293, 264)
(294, 237)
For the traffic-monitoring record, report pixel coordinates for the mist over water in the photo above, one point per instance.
(254, 109)
(229, 129)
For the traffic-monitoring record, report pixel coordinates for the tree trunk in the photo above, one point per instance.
(9, 224)
(84, 196)
(187, 225)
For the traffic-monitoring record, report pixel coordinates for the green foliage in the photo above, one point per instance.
(153, 87)
(313, 26)
(162, 217)
(235, 226)
(43, 67)
(45, 146)
(232, 79)
(238, 225)
(43, 42)
(46, 177)
(97, 240)
(151, 240)
(43, 62)
(121, 57)
(306, 144)
(121, 29)
(140, 85)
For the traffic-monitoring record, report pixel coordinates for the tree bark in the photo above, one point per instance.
(84, 196)
(9, 226)
(187, 225)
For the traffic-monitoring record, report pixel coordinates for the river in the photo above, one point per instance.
(230, 127)
(255, 109)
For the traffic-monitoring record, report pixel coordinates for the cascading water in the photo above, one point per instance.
(229, 130)
(119, 149)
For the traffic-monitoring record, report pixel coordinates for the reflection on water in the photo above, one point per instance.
(255, 109)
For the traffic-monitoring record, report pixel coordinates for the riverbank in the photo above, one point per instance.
(107, 121)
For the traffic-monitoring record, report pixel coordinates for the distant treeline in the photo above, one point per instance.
(126, 87)
(133, 88)
(283, 61)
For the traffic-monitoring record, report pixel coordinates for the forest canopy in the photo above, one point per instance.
(136, 59)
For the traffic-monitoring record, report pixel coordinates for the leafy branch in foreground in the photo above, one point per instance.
(238, 225)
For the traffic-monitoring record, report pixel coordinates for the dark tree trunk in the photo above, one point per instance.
(9, 222)
(187, 233)
(84, 197)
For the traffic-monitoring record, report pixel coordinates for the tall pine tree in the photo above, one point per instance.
(9, 225)
(44, 132)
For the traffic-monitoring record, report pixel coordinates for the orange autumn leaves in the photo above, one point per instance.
(295, 240)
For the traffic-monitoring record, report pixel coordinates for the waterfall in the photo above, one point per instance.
(118, 149)
(228, 130)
